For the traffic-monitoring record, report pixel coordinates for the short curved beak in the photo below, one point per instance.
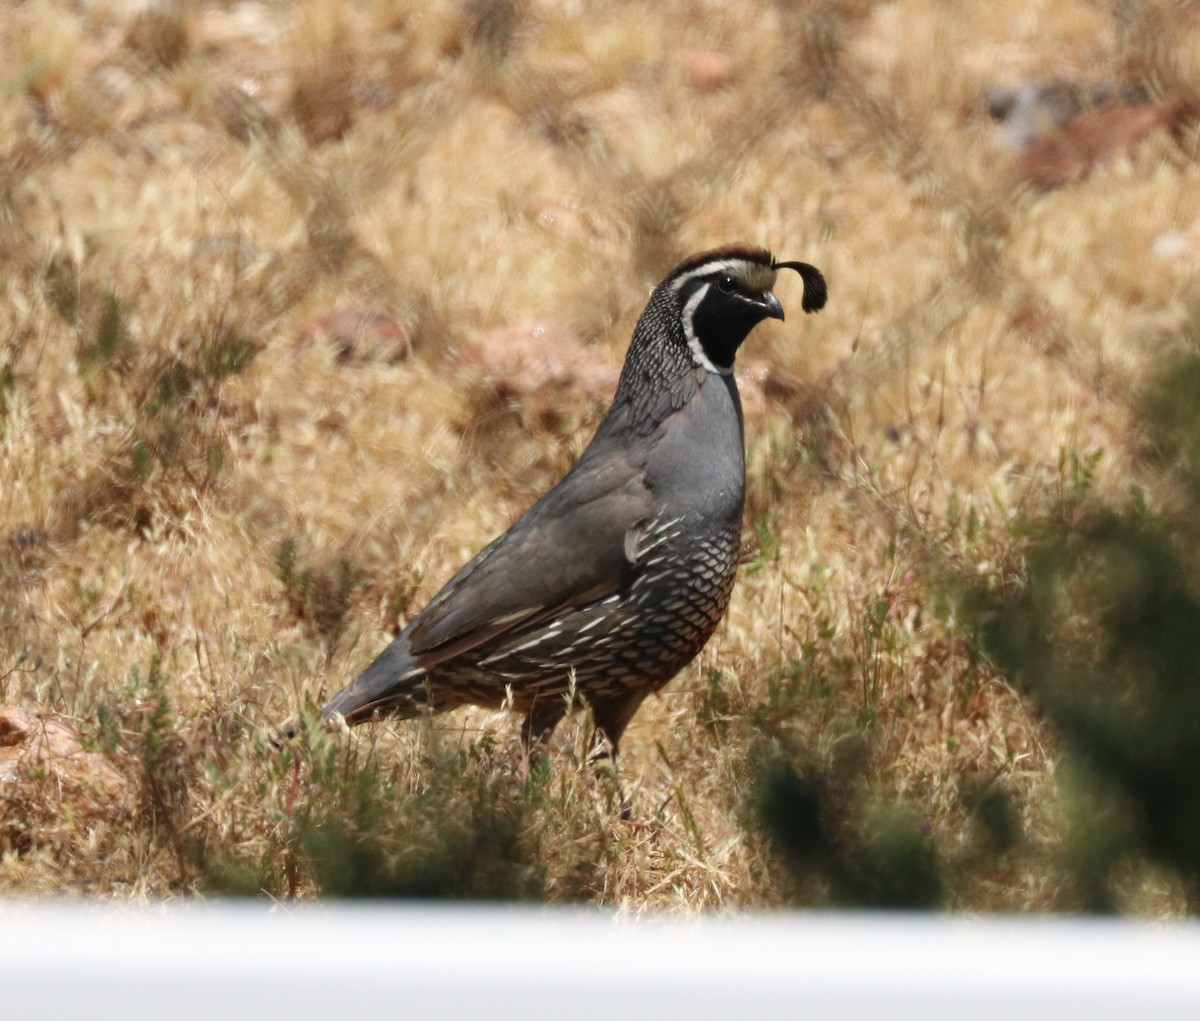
(771, 303)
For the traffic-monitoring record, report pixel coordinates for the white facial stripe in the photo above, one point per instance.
(730, 266)
(698, 354)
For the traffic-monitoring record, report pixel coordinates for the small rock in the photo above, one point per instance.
(1063, 129)
(359, 338)
(554, 217)
(526, 359)
(1028, 110)
(41, 748)
(1171, 246)
(1093, 137)
(707, 70)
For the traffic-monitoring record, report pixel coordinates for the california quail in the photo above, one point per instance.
(614, 580)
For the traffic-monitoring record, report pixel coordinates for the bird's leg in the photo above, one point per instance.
(611, 716)
(543, 716)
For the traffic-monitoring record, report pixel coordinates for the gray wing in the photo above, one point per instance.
(575, 545)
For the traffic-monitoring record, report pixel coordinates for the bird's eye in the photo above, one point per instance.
(727, 285)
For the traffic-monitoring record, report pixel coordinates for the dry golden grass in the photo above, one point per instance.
(208, 522)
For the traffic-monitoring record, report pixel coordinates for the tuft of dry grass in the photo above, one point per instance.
(208, 518)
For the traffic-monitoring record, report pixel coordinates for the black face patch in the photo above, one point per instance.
(723, 317)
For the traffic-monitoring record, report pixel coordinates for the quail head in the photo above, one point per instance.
(614, 580)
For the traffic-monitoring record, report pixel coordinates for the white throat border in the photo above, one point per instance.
(698, 355)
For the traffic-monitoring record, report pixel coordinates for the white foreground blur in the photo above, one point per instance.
(333, 961)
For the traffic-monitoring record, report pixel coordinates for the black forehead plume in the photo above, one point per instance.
(816, 291)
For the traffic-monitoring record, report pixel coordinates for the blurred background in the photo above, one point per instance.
(303, 302)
